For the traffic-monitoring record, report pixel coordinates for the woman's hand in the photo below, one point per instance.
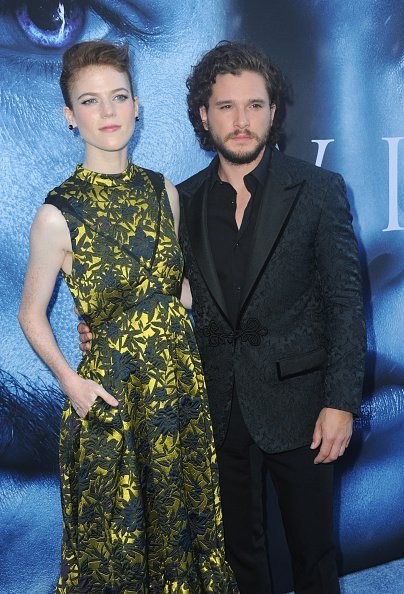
(82, 393)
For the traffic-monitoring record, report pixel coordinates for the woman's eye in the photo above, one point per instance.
(88, 101)
(121, 98)
(50, 23)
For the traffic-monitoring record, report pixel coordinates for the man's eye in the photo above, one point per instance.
(50, 23)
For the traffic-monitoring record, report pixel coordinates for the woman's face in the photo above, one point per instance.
(103, 109)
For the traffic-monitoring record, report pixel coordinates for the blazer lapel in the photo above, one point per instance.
(279, 197)
(197, 224)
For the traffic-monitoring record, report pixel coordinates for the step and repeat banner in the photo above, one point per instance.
(344, 62)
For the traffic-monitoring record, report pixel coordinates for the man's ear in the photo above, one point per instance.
(273, 111)
(203, 112)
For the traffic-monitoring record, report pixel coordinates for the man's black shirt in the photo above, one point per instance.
(231, 247)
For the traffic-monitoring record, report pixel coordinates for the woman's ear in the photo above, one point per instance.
(136, 108)
(67, 112)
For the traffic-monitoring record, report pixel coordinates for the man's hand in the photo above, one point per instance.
(85, 335)
(333, 431)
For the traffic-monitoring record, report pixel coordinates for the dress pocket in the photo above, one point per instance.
(92, 407)
(101, 413)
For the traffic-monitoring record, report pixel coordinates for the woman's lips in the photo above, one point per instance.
(109, 128)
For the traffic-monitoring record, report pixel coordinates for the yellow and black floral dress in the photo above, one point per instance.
(139, 481)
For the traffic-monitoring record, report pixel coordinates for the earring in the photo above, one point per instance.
(75, 130)
(137, 118)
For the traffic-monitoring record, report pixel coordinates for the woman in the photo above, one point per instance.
(138, 469)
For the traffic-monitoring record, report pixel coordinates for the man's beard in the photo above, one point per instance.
(240, 157)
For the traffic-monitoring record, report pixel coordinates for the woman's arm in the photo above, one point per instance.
(174, 203)
(50, 250)
(49, 247)
(186, 295)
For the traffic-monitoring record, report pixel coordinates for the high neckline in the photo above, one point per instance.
(105, 179)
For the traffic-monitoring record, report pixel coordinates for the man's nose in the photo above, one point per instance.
(241, 119)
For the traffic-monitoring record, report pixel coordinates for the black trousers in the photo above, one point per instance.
(304, 493)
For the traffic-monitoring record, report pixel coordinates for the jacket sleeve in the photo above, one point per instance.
(339, 270)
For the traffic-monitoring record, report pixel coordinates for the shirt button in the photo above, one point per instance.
(236, 245)
(238, 288)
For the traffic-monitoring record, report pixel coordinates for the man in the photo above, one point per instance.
(273, 269)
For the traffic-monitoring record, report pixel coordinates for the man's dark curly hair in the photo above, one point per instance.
(231, 58)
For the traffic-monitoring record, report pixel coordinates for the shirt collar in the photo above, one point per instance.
(259, 173)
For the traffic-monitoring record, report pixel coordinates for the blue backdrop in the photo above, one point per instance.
(345, 64)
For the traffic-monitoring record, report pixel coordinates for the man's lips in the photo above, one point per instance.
(111, 128)
(241, 137)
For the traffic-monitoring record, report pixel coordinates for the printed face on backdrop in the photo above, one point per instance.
(348, 88)
(345, 63)
(37, 153)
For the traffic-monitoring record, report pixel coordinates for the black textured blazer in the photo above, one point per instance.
(299, 342)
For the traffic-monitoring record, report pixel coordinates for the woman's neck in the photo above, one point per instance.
(106, 161)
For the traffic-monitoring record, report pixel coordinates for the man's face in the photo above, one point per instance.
(239, 116)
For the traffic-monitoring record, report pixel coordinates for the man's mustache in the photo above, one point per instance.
(242, 133)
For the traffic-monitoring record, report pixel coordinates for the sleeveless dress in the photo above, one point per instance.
(139, 481)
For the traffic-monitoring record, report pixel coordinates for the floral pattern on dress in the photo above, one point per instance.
(139, 481)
